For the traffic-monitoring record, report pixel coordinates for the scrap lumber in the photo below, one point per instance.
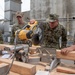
(45, 58)
(3, 68)
(12, 73)
(36, 46)
(65, 70)
(20, 67)
(34, 59)
(32, 50)
(54, 72)
(69, 56)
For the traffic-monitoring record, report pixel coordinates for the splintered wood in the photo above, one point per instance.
(69, 56)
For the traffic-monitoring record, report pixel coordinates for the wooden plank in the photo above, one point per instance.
(20, 67)
(32, 50)
(6, 45)
(12, 73)
(34, 59)
(69, 56)
(36, 46)
(54, 72)
(3, 68)
(45, 58)
(65, 70)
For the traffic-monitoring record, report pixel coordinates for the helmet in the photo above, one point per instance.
(19, 14)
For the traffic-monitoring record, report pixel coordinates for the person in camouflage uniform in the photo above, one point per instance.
(19, 25)
(1, 38)
(54, 33)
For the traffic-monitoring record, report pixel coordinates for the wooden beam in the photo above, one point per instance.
(70, 55)
(34, 59)
(3, 68)
(32, 50)
(20, 67)
(65, 70)
(12, 73)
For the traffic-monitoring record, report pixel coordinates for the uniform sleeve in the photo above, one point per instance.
(74, 39)
(64, 37)
(12, 34)
(1, 38)
(13, 28)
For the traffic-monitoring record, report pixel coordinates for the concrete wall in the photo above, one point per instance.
(39, 9)
(71, 11)
(11, 6)
(26, 16)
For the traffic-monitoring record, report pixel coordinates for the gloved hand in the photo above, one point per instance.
(29, 34)
(35, 39)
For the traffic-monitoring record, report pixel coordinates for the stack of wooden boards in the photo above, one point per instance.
(3, 69)
(28, 69)
(17, 67)
(69, 56)
(38, 54)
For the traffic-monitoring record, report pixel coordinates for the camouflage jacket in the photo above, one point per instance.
(51, 37)
(1, 38)
(15, 27)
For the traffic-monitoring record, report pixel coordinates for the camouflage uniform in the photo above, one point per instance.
(51, 36)
(16, 27)
(1, 38)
